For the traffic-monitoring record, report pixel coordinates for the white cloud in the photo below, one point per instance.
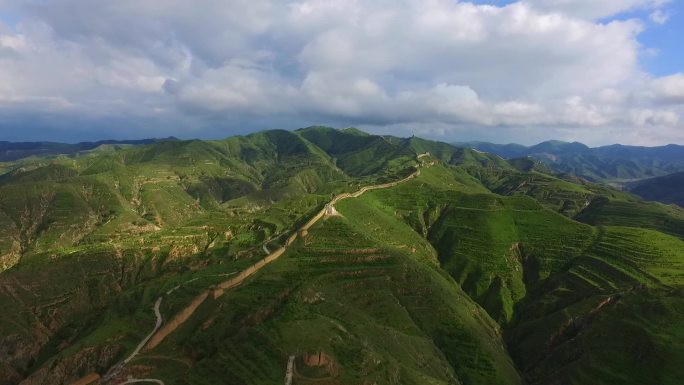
(669, 89)
(648, 117)
(13, 42)
(659, 16)
(442, 63)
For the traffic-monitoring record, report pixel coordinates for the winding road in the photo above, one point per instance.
(136, 380)
(116, 369)
(142, 343)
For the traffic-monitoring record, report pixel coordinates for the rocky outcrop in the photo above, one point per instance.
(322, 361)
(11, 257)
(18, 351)
(316, 359)
(8, 375)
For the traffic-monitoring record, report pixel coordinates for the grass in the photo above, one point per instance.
(482, 240)
(656, 216)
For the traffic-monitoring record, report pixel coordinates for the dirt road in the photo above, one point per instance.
(136, 380)
(290, 370)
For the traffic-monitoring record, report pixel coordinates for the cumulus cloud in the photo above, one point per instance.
(454, 66)
(659, 16)
(647, 117)
(669, 89)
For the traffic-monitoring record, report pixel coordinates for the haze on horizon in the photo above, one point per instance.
(500, 71)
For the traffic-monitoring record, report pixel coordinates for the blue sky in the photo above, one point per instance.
(599, 72)
(9, 18)
(667, 40)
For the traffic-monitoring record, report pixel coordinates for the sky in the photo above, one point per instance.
(599, 72)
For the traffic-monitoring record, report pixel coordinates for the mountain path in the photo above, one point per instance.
(158, 324)
(116, 369)
(136, 380)
(289, 372)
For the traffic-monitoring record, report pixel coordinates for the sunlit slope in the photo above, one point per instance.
(145, 191)
(133, 215)
(633, 213)
(483, 239)
(112, 195)
(358, 153)
(569, 293)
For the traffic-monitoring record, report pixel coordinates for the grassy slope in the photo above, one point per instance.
(172, 206)
(481, 238)
(609, 317)
(604, 211)
(357, 153)
(136, 193)
(545, 276)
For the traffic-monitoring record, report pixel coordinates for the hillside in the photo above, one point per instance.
(666, 189)
(332, 257)
(11, 151)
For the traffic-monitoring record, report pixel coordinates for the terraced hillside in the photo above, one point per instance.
(528, 267)
(172, 207)
(469, 270)
(184, 193)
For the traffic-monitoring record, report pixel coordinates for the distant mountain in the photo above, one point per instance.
(615, 164)
(511, 150)
(666, 189)
(11, 151)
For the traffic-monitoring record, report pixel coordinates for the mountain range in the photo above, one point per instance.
(330, 257)
(11, 151)
(612, 164)
(653, 173)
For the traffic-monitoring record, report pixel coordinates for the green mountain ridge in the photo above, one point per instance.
(12, 151)
(477, 270)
